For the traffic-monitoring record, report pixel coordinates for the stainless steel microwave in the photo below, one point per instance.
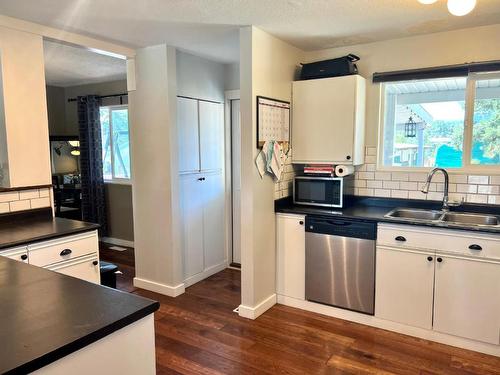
(318, 191)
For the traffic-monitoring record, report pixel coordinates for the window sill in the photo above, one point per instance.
(118, 182)
(492, 170)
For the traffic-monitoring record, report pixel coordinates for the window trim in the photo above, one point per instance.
(117, 180)
(467, 167)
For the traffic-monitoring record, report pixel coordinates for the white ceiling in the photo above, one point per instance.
(72, 66)
(209, 27)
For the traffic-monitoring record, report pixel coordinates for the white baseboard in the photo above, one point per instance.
(117, 241)
(167, 290)
(203, 275)
(261, 308)
(390, 326)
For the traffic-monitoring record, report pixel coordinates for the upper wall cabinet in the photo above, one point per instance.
(24, 137)
(200, 127)
(328, 123)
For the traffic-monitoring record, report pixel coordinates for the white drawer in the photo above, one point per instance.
(65, 248)
(85, 268)
(440, 240)
(16, 253)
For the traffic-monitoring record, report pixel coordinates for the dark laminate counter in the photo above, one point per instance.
(374, 209)
(45, 316)
(35, 226)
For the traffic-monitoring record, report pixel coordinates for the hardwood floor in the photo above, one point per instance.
(198, 333)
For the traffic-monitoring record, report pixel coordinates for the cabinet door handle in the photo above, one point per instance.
(430, 259)
(24, 257)
(348, 157)
(475, 247)
(201, 179)
(66, 252)
(400, 239)
(439, 260)
(301, 222)
(95, 262)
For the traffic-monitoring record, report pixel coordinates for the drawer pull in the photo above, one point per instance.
(24, 257)
(400, 239)
(430, 259)
(95, 262)
(439, 260)
(475, 247)
(66, 252)
(301, 222)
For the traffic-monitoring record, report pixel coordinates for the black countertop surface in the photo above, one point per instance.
(374, 209)
(39, 225)
(45, 315)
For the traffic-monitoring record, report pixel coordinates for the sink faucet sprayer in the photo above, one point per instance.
(425, 189)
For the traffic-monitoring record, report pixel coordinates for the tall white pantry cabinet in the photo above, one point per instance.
(201, 166)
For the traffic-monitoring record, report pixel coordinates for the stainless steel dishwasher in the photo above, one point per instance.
(340, 263)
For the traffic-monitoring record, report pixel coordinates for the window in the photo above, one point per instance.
(443, 122)
(115, 143)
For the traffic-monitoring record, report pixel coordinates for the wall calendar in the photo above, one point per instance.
(273, 121)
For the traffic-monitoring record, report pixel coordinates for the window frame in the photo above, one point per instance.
(117, 180)
(467, 166)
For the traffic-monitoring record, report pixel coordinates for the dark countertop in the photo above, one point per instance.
(45, 315)
(39, 225)
(374, 209)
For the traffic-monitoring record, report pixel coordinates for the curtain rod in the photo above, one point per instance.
(102, 97)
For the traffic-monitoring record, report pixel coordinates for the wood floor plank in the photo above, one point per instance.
(198, 333)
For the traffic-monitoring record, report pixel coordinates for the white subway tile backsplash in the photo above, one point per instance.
(360, 183)
(385, 193)
(374, 184)
(416, 194)
(20, 205)
(488, 189)
(370, 159)
(371, 151)
(9, 196)
(399, 194)
(382, 175)
(400, 176)
(366, 192)
(4, 208)
(434, 196)
(419, 177)
(482, 180)
(44, 193)
(457, 197)
(29, 194)
(494, 199)
(370, 167)
(462, 188)
(366, 175)
(495, 180)
(458, 178)
(476, 198)
(391, 184)
(408, 185)
(40, 202)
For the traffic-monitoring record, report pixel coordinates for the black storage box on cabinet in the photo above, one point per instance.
(341, 66)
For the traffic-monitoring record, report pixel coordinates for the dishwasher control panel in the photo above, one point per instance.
(341, 227)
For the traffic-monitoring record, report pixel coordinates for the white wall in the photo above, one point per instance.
(267, 67)
(155, 185)
(232, 76)
(200, 78)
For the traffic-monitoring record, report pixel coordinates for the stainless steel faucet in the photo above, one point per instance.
(425, 189)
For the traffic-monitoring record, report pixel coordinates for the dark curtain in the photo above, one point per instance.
(93, 199)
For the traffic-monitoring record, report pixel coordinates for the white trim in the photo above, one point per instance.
(389, 325)
(167, 290)
(206, 273)
(119, 181)
(117, 241)
(254, 312)
(65, 36)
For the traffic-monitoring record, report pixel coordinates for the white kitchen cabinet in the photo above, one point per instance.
(202, 218)
(200, 132)
(404, 286)
(211, 135)
(467, 298)
(191, 193)
(24, 135)
(188, 134)
(290, 255)
(74, 255)
(85, 268)
(17, 253)
(328, 120)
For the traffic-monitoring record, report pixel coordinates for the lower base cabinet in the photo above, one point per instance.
(467, 298)
(290, 257)
(404, 287)
(453, 288)
(76, 255)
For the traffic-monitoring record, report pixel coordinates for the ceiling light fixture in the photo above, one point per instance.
(455, 7)
(461, 7)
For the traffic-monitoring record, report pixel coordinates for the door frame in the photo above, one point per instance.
(228, 96)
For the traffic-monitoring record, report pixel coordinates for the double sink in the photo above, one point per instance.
(445, 217)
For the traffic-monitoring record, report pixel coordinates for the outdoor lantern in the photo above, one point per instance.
(411, 128)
